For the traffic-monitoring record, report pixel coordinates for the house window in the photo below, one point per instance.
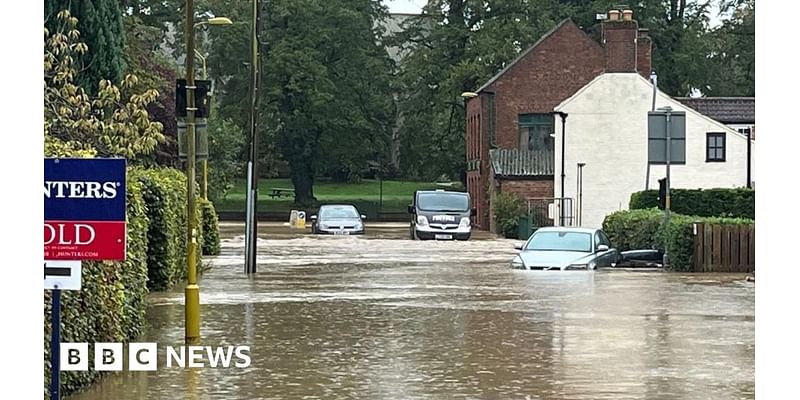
(715, 146)
(744, 131)
(535, 131)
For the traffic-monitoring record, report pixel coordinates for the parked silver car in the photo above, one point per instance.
(566, 248)
(338, 219)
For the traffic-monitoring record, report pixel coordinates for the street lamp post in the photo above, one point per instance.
(192, 292)
(204, 186)
(251, 217)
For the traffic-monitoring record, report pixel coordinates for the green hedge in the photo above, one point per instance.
(210, 228)
(165, 196)
(734, 203)
(110, 306)
(646, 229)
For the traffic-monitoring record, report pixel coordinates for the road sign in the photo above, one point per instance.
(657, 137)
(84, 209)
(63, 275)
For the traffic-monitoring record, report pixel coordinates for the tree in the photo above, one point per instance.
(225, 143)
(144, 59)
(100, 23)
(733, 52)
(114, 122)
(454, 46)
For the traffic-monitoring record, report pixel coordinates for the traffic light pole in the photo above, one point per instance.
(251, 225)
(667, 202)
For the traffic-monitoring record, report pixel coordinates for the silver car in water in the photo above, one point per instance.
(565, 249)
(338, 219)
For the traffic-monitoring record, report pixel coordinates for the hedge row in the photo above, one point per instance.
(210, 228)
(646, 229)
(111, 305)
(733, 203)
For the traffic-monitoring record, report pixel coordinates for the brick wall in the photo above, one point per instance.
(556, 68)
(478, 149)
(644, 54)
(525, 188)
(619, 39)
(540, 187)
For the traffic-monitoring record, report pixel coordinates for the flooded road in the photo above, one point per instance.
(384, 317)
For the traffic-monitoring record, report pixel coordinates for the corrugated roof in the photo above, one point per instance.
(515, 162)
(728, 110)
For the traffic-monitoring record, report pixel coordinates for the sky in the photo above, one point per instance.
(415, 7)
(405, 6)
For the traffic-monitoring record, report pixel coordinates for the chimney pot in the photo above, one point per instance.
(613, 15)
(627, 15)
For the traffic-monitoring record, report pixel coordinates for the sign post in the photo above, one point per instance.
(84, 219)
(666, 144)
(55, 345)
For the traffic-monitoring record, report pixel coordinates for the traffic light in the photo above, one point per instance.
(662, 193)
(201, 98)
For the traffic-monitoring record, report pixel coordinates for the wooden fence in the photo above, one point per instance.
(725, 248)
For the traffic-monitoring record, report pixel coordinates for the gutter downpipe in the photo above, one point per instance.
(563, 116)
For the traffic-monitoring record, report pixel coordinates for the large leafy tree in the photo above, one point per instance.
(325, 100)
(113, 122)
(145, 60)
(101, 27)
(326, 86)
(732, 55)
(454, 46)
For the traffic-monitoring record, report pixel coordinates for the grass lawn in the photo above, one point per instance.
(364, 195)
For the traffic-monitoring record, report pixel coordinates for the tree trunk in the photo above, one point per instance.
(303, 181)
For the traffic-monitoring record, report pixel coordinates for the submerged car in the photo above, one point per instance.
(338, 219)
(565, 249)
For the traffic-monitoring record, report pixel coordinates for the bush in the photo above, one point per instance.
(110, 306)
(210, 228)
(646, 229)
(507, 208)
(165, 196)
(733, 203)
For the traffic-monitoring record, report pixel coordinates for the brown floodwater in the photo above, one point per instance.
(384, 317)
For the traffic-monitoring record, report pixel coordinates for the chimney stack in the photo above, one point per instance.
(628, 49)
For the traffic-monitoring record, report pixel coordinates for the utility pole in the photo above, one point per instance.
(192, 292)
(668, 110)
(251, 223)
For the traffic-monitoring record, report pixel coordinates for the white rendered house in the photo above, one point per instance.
(606, 129)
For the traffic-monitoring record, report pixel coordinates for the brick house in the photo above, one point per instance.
(515, 108)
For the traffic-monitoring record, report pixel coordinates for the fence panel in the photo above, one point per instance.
(724, 248)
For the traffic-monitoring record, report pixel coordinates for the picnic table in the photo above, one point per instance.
(279, 192)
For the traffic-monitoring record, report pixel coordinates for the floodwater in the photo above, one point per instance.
(384, 317)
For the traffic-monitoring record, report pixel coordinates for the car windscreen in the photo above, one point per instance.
(561, 241)
(338, 212)
(443, 202)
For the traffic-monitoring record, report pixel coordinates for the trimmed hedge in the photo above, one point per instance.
(165, 196)
(646, 229)
(110, 307)
(210, 228)
(734, 203)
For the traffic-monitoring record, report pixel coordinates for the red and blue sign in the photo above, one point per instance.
(84, 209)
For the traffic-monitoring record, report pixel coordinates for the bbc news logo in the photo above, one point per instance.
(144, 356)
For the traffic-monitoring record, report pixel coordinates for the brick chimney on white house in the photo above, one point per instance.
(628, 48)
